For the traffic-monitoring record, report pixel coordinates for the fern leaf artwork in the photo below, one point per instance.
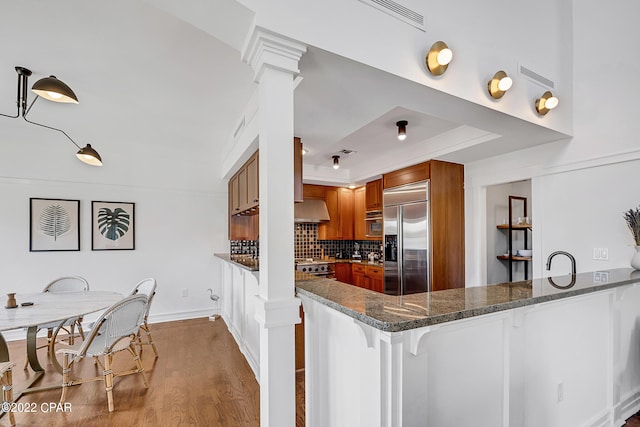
(55, 221)
(113, 224)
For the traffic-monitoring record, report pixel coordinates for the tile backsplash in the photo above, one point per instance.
(307, 245)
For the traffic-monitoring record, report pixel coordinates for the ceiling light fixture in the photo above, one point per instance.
(305, 151)
(54, 90)
(546, 103)
(499, 84)
(402, 129)
(336, 162)
(438, 58)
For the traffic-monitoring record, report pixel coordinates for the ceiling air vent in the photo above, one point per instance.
(536, 77)
(346, 151)
(398, 11)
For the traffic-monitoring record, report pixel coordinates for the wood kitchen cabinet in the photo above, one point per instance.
(368, 276)
(340, 206)
(359, 213)
(342, 271)
(446, 212)
(252, 182)
(374, 195)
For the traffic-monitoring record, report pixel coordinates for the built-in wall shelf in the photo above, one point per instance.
(510, 228)
(514, 258)
(515, 227)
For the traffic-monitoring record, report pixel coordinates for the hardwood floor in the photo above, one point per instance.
(199, 379)
(633, 421)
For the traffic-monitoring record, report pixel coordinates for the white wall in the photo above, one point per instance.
(485, 37)
(581, 187)
(177, 232)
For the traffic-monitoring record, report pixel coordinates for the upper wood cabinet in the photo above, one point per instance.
(374, 195)
(340, 206)
(253, 183)
(415, 173)
(359, 213)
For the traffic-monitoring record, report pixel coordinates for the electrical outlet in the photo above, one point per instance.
(184, 293)
(601, 254)
(560, 392)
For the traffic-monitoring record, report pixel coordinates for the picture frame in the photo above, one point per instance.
(54, 225)
(112, 226)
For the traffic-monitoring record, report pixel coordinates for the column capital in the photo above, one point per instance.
(277, 313)
(266, 49)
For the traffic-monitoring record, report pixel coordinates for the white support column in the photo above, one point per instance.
(275, 62)
(391, 349)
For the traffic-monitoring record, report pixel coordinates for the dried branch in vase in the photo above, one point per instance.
(632, 216)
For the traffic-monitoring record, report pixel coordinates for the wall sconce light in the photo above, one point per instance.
(499, 84)
(438, 58)
(546, 103)
(336, 162)
(57, 91)
(402, 129)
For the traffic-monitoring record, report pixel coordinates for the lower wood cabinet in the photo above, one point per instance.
(368, 276)
(342, 272)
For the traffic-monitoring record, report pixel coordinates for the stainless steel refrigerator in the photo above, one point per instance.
(406, 239)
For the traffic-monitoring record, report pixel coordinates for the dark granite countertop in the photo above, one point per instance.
(244, 261)
(399, 313)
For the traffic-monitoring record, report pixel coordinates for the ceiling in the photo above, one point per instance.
(166, 75)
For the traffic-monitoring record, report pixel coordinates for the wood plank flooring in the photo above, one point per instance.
(199, 379)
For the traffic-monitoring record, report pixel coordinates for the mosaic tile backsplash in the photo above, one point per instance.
(307, 245)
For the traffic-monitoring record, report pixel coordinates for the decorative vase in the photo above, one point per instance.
(11, 301)
(635, 259)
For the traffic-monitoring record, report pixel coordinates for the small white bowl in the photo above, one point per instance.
(525, 252)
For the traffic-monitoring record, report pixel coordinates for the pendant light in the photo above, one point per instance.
(336, 162)
(52, 89)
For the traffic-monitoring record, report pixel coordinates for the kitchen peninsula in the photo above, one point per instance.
(560, 351)
(544, 352)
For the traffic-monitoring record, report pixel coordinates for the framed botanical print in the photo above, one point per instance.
(54, 225)
(112, 226)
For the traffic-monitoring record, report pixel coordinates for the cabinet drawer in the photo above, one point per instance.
(375, 272)
(357, 268)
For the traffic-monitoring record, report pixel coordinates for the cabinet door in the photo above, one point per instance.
(234, 196)
(253, 186)
(359, 214)
(376, 278)
(242, 189)
(374, 195)
(345, 207)
(359, 276)
(343, 272)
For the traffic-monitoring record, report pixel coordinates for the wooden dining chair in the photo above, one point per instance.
(115, 330)
(63, 284)
(146, 287)
(6, 379)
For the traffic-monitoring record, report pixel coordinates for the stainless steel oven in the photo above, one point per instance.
(316, 268)
(374, 222)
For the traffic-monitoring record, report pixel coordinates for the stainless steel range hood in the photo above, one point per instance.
(311, 210)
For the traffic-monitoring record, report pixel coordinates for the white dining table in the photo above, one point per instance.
(48, 307)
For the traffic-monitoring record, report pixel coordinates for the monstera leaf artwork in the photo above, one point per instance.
(113, 224)
(55, 221)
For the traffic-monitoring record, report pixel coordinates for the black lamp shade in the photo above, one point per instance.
(54, 90)
(89, 156)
